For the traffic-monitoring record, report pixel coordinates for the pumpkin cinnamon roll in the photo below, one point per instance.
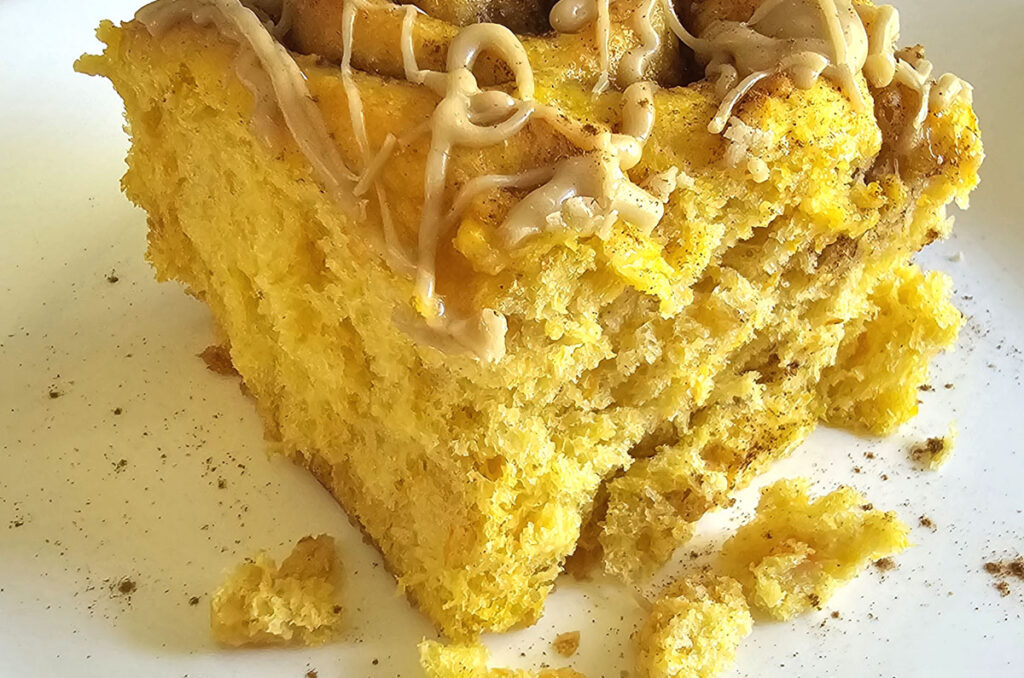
(520, 279)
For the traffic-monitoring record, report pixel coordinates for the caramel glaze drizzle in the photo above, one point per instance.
(805, 39)
(571, 16)
(471, 117)
(372, 166)
(596, 181)
(287, 84)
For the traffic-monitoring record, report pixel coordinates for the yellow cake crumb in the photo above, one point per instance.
(884, 357)
(694, 629)
(263, 604)
(933, 453)
(469, 660)
(567, 643)
(796, 552)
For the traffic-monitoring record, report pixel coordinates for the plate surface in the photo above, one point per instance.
(122, 457)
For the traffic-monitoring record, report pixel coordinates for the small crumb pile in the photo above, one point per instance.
(796, 552)
(693, 629)
(262, 604)
(1002, 571)
(469, 660)
(885, 564)
(935, 452)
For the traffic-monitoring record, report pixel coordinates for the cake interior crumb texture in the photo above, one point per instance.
(469, 660)
(693, 629)
(647, 373)
(797, 551)
(291, 604)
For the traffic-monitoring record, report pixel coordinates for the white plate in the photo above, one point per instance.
(72, 521)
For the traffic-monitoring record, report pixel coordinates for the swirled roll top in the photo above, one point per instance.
(483, 75)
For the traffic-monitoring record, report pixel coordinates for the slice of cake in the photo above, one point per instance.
(514, 296)
(262, 603)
